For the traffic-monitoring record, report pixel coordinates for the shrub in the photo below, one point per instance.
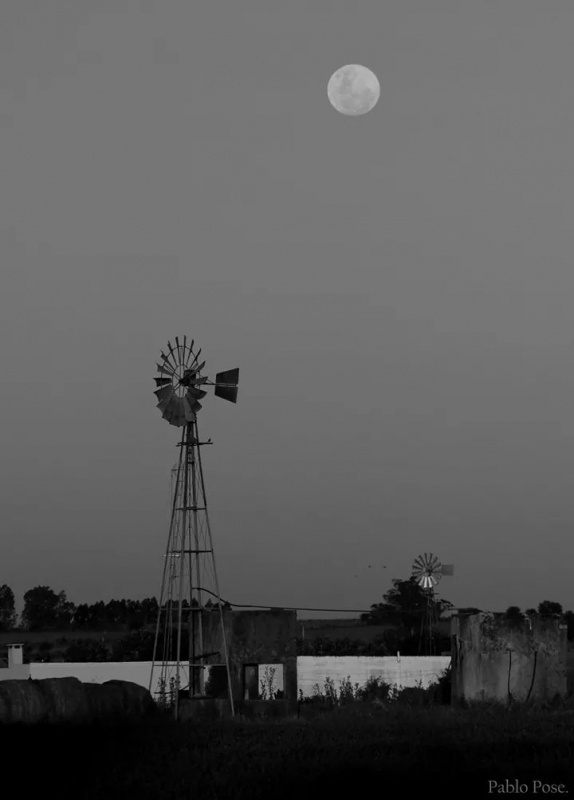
(375, 690)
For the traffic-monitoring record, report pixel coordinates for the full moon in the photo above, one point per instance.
(353, 90)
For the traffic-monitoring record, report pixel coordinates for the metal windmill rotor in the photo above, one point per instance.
(428, 570)
(180, 380)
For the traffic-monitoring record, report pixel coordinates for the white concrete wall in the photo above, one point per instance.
(398, 671)
(17, 673)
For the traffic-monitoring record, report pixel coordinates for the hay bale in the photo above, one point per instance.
(137, 701)
(66, 700)
(106, 703)
(23, 701)
(4, 708)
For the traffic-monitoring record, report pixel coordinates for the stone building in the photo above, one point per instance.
(254, 639)
(496, 658)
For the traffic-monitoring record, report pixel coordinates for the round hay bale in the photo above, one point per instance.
(105, 702)
(4, 707)
(23, 701)
(137, 701)
(66, 700)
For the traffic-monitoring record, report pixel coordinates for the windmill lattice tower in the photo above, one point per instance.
(189, 586)
(427, 572)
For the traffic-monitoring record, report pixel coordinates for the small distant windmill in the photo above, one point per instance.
(427, 572)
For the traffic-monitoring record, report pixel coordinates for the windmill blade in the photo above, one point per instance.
(178, 348)
(164, 393)
(164, 370)
(162, 381)
(192, 405)
(419, 566)
(167, 361)
(179, 416)
(189, 412)
(170, 408)
(195, 394)
(170, 348)
(190, 354)
(175, 412)
(433, 562)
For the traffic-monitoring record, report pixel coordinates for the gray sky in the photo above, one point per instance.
(396, 289)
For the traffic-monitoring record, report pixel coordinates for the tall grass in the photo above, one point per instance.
(332, 755)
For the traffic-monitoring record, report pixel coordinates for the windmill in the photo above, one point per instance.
(189, 586)
(427, 572)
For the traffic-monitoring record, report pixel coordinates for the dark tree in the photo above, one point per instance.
(549, 609)
(85, 650)
(65, 611)
(404, 606)
(42, 608)
(97, 613)
(81, 618)
(115, 613)
(514, 613)
(135, 646)
(7, 608)
(149, 609)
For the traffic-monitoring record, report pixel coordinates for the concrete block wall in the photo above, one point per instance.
(494, 658)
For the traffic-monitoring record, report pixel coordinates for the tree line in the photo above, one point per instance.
(405, 605)
(46, 610)
(402, 609)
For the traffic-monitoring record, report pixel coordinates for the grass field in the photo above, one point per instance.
(453, 752)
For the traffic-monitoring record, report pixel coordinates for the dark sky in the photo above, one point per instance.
(396, 289)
